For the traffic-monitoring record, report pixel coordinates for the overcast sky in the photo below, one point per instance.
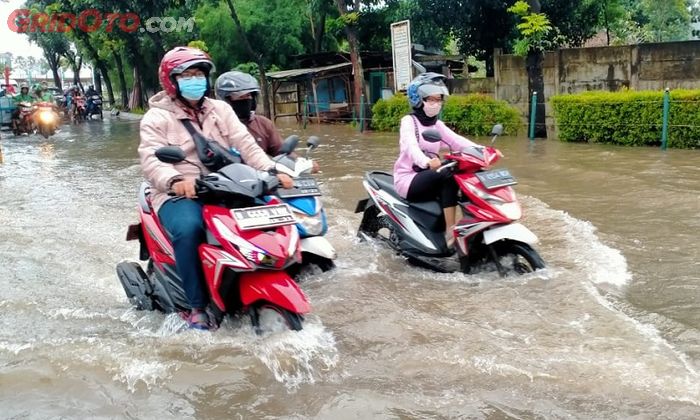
(17, 44)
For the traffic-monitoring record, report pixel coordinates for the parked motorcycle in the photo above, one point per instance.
(488, 235)
(25, 122)
(94, 106)
(250, 241)
(46, 119)
(305, 201)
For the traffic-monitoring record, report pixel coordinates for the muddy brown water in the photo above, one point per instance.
(609, 330)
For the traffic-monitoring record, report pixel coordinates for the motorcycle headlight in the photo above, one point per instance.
(46, 117)
(510, 210)
(312, 225)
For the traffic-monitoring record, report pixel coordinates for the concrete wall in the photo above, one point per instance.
(472, 85)
(638, 67)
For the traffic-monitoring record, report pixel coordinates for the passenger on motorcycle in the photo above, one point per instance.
(415, 175)
(23, 96)
(241, 91)
(184, 76)
(41, 95)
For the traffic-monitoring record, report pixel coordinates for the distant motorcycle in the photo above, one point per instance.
(94, 106)
(79, 113)
(46, 119)
(25, 124)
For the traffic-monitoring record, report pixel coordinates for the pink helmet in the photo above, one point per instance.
(178, 60)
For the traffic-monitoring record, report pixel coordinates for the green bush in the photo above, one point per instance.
(473, 114)
(628, 118)
(387, 113)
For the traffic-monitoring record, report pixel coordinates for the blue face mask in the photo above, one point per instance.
(192, 88)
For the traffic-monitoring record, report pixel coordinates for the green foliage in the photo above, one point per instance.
(628, 118)
(473, 114)
(199, 44)
(387, 113)
(533, 27)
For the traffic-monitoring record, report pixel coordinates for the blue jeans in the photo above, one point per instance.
(182, 218)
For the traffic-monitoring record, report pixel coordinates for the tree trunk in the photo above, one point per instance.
(108, 83)
(319, 31)
(535, 81)
(76, 74)
(137, 94)
(264, 90)
(98, 81)
(257, 57)
(122, 79)
(53, 59)
(490, 65)
(355, 58)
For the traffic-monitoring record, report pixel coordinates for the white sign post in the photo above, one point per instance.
(401, 51)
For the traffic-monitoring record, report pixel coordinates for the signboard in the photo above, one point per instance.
(401, 51)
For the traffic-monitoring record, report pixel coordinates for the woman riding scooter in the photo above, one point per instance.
(184, 75)
(415, 175)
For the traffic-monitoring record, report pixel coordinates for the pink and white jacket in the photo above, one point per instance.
(411, 150)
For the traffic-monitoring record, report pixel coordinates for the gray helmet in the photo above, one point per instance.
(235, 84)
(424, 85)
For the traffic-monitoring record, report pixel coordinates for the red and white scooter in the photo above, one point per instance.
(249, 245)
(488, 235)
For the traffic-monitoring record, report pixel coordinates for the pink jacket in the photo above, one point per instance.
(411, 150)
(161, 126)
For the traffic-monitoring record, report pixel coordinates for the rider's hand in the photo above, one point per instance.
(434, 163)
(315, 168)
(285, 180)
(185, 187)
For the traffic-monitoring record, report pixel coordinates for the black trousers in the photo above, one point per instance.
(429, 185)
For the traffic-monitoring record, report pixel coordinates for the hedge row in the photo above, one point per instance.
(628, 118)
(473, 114)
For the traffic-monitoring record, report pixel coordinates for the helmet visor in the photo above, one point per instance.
(433, 88)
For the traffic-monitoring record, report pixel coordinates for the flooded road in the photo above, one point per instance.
(611, 329)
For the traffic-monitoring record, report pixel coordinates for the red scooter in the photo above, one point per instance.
(249, 244)
(487, 236)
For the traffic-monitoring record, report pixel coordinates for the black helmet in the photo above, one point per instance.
(234, 84)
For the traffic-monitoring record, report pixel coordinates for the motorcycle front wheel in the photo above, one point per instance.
(507, 257)
(269, 318)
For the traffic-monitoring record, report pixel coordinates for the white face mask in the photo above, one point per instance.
(431, 109)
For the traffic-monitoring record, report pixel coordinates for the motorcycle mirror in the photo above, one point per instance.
(289, 144)
(432, 135)
(313, 142)
(170, 154)
(497, 130)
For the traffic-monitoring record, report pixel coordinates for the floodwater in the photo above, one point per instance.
(611, 329)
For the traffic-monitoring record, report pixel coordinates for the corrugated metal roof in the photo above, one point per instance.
(290, 74)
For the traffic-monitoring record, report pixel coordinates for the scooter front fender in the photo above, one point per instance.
(320, 246)
(514, 231)
(275, 287)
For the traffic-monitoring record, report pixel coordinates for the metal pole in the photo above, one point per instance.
(533, 114)
(664, 129)
(362, 113)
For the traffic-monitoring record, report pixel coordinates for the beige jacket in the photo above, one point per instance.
(161, 126)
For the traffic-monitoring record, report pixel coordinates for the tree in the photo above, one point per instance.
(350, 13)
(275, 23)
(534, 28)
(667, 20)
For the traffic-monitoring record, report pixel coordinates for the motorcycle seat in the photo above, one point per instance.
(144, 202)
(385, 182)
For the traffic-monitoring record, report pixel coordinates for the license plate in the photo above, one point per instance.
(496, 178)
(263, 216)
(303, 187)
